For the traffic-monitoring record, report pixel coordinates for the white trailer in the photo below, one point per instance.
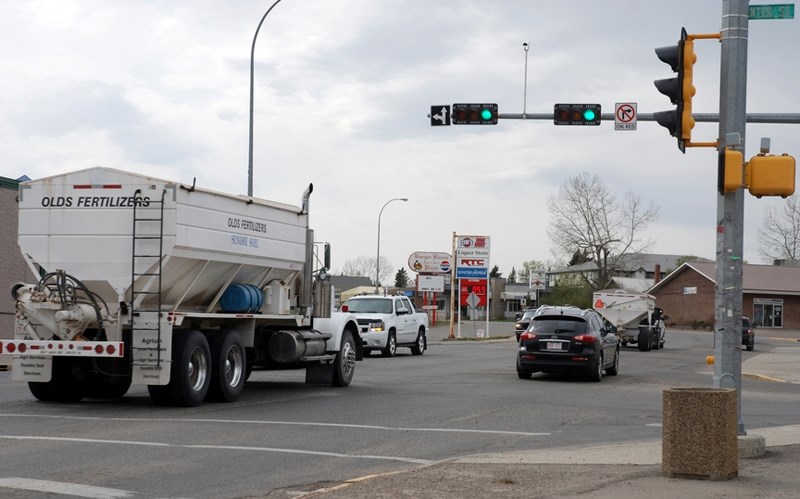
(634, 315)
(183, 289)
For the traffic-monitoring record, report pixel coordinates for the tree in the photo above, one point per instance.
(535, 267)
(401, 278)
(495, 272)
(586, 217)
(779, 234)
(512, 277)
(364, 266)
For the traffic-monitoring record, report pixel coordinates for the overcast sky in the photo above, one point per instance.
(342, 93)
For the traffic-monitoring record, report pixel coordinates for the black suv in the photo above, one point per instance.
(568, 339)
(748, 334)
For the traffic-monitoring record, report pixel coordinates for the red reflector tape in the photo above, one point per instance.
(97, 186)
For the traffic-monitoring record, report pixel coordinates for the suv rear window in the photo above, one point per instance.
(558, 324)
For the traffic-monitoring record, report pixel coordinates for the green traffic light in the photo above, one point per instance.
(486, 114)
(588, 114)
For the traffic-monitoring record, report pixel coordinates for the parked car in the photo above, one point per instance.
(568, 339)
(748, 334)
(523, 321)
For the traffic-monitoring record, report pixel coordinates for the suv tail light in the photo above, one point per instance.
(527, 336)
(585, 338)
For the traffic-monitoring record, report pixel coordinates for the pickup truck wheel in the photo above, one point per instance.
(391, 345)
(421, 344)
(345, 363)
(228, 367)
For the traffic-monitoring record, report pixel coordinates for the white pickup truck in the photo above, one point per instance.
(388, 322)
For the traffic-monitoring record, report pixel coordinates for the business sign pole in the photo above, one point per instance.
(472, 262)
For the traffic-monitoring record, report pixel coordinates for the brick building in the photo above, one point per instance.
(770, 295)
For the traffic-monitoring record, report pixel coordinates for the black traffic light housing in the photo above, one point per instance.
(680, 90)
(576, 114)
(474, 114)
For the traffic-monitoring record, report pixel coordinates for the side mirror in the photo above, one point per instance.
(402, 311)
(517, 316)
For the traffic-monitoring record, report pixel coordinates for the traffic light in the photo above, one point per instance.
(576, 114)
(770, 175)
(730, 171)
(680, 90)
(474, 114)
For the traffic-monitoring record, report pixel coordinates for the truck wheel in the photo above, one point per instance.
(189, 374)
(420, 344)
(345, 364)
(391, 345)
(228, 366)
(645, 340)
(64, 385)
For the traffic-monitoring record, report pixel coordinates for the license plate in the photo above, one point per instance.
(552, 345)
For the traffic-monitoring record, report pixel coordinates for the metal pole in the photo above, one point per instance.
(525, 84)
(252, 54)
(378, 259)
(730, 206)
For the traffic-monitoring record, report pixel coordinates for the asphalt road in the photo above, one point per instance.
(283, 436)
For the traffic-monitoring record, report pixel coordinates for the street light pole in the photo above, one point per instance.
(252, 54)
(378, 259)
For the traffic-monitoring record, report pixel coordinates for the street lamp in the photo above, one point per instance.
(378, 260)
(252, 53)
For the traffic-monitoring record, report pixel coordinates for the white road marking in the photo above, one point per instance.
(287, 423)
(221, 447)
(72, 489)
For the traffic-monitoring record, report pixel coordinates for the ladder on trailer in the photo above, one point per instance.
(146, 266)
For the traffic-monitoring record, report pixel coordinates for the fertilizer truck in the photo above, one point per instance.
(635, 317)
(182, 289)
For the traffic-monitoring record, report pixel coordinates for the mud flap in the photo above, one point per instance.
(320, 374)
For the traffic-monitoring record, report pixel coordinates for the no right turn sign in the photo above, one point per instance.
(625, 116)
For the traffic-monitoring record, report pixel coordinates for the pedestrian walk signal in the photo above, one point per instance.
(577, 114)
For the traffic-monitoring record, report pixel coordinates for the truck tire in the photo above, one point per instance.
(421, 344)
(345, 364)
(645, 340)
(391, 345)
(64, 385)
(228, 366)
(190, 373)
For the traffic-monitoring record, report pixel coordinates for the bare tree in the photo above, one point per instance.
(364, 266)
(779, 234)
(586, 217)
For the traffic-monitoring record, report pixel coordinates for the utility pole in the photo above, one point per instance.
(730, 206)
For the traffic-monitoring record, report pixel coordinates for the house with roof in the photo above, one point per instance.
(770, 295)
(631, 272)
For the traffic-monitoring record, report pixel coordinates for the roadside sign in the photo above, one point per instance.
(473, 301)
(776, 11)
(625, 117)
(472, 257)
(472, 287)
(430, 283)
(440, 116)
(430, 262)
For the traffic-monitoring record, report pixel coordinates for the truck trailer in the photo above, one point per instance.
(634, 315)
(183, 289)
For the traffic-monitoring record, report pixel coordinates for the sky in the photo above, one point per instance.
(342, 93)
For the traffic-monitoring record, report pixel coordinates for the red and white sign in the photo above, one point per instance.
(429, 262)
(473, 262)
(625, 116)
(470, 286)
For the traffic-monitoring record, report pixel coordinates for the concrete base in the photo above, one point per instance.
(752, 446)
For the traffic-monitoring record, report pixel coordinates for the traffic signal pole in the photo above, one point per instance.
(730, 205)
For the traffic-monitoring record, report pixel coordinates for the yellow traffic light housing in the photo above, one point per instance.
(687, 61)
(730, 173)
(770, 175)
